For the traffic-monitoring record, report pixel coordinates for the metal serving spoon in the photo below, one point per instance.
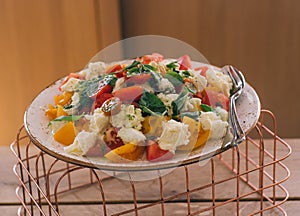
(238, 82)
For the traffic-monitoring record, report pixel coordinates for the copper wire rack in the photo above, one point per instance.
(245, 180)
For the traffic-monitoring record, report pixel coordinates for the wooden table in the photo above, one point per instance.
(74, 205)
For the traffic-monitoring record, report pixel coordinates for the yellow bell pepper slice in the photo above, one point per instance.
(63, 99)
(66, 134)
(125, 153)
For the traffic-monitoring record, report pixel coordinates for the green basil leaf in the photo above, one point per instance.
(148, 68)
(134, 64)
(194, 115)
(186, 73)
(206, 108)
(174, 78)
(172, 65)
(151, 104)
(178, 104)
(71, 118)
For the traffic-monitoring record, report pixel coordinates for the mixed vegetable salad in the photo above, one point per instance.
(148, 108)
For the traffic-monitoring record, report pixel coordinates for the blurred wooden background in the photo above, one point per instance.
(43, 40)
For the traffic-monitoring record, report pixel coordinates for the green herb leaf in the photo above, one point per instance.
(152, 105)
(194, 115)
(84, 89)
(206, 108)
(71, 118)
(155, 80)
(134, 64)
(186, 73)
(178, 104)
(174, 78)
(148, 68)
(191, 87)
(172, 65)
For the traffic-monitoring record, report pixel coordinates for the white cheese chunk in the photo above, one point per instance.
(98, 121)
(82, 143)
(167, 100)
(222, 113)
(199, 81)
(94, 69)
(211, 121)
(191, 104)
(131, 135)
(219, 80)
(70, 85)
(174, 134)
(128, 117)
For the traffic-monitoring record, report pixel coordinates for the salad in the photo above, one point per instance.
(148, 108)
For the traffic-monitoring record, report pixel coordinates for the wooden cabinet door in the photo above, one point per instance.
(43, 40)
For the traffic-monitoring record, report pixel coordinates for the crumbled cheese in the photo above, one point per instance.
(82, 143)
(174, 134)
(128, 117)
(219, 80)
(191, 104)
(131, 135)
(94, 69)
(167, 100)
(98, 121)
(166, 86)
(159, 66)
(211, 121)
(199, 81)
(70, 85)
(222, 113)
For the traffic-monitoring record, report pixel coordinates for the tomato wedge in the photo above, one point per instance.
(156, 57)
(129, 94)
(202, 70)
(100, 99)
(111, 106)
(155, 153)
(117, 70)
(138, 79)
(184, 62)
(104, 86)
(111, 139)
(214, 99)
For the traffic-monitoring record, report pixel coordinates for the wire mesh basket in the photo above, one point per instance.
(245, 180)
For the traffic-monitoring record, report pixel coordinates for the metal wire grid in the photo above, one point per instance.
(44, 181)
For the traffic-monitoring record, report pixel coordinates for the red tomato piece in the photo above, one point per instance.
(214, 99)
(100, 99)
(71, 75)
(139, 79)
(117, 69)
(184, 62)
(111, 139)
(155, 153)
(146, 59)
(129, 94)
(202, 70)
(111, 106)
(102, 88)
